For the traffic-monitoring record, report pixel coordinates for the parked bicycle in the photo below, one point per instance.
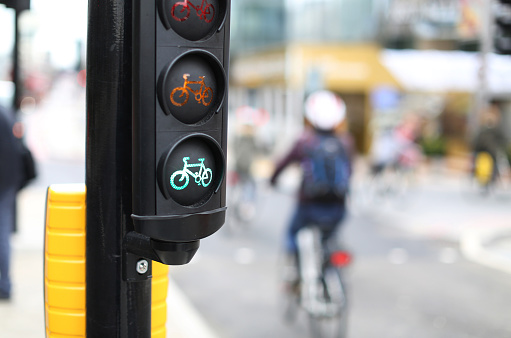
(202, 177)
(205, 11)
(320, 290)
(204, 94)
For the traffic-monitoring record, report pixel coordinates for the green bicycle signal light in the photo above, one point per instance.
(189, 182)
(203, 177)
(180, 67)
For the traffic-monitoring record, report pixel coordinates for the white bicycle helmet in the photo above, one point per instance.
(325, 110)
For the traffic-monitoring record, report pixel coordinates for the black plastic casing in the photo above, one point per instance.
(158, 132)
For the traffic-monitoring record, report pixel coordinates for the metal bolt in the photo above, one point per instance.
(142, 266)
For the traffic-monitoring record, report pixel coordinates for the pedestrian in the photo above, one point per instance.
(490, 138)
(10, 183)
(325, 158)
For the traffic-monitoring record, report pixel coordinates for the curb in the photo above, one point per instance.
(183, 320)
(474, 246)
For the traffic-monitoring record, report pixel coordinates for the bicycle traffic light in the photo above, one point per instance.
(19, 5)
(180, 63)
(503, 28)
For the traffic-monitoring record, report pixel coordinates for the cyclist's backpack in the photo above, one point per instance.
(326, 170)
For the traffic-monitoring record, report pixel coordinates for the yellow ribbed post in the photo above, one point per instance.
(64, 261)
(159, 290)
(64, 267)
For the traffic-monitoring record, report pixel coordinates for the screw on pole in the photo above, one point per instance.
(142, 266)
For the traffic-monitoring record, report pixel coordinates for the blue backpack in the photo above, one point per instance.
(326, 170)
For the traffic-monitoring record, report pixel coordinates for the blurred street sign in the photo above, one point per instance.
(253, 116)
(385, 98)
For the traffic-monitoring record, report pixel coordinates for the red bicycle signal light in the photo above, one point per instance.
(193, 20)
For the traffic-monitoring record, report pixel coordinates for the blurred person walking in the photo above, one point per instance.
(490, 140)
(242, 186)
(395, 155)
(11, 180)
(325, 157)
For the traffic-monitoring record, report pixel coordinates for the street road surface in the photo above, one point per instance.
(401, 284)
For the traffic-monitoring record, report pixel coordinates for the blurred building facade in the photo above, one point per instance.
(368, 51)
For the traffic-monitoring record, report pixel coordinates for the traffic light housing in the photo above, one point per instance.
(502, 40)
(19, 5)
(180, 82)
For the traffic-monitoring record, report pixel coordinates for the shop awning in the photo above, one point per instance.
(447, 71)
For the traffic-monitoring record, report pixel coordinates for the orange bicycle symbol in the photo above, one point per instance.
(204, 94)
(205, 12)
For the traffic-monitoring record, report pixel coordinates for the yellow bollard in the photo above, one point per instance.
(64, 261)
(159, 288)
(64, 267)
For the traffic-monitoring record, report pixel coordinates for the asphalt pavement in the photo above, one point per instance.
(447, 204)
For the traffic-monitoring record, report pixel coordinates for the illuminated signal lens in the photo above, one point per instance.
(192, 88)
(193, 20)
(191, 172)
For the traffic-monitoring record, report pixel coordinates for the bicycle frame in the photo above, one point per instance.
(196, 176)
(201, 10)
(198, 93)
(198, 9)
(311, 262)
(322, 292)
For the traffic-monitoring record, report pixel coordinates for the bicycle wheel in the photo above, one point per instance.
(179, 184)
(182, 14)
(206, 178)
(209, 13)
(289, 298)
(178, 100)
(208, 96)
(331, 318)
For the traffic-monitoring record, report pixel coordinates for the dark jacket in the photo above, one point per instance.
(299, 153)
(10, 154)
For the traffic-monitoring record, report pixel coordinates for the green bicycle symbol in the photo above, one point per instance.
(202, 177)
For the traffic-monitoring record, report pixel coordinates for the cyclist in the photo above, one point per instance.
(317, 204)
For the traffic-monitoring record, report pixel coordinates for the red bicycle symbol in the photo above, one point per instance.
(205, 12)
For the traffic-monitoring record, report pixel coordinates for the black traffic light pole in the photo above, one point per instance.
(16, 103)
(19, 6)
(116, 307)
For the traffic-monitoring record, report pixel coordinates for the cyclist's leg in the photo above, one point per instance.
(298, 221)
(338, 215)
